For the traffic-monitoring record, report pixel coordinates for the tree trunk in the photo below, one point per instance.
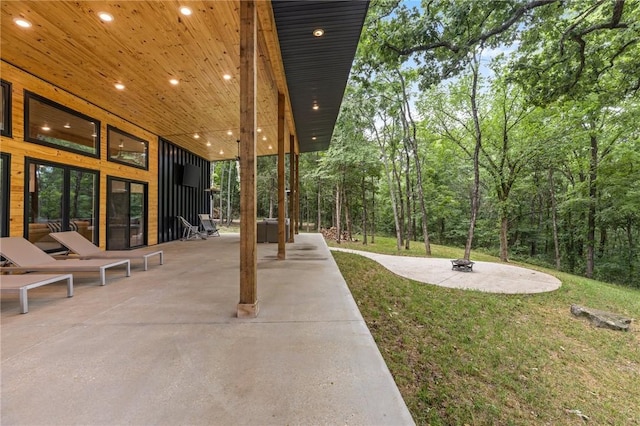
(554, 219)
(229, 218)
(347, 216)
(409, 207)
(364, 211)
(373, 212)
(475, 194)
(319, 217)
(412, 133)
(591, 215)
(338, 213)
(400, 200)
(504, 230)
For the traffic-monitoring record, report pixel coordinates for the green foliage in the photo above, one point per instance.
(560, 142)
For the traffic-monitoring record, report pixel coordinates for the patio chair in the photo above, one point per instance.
(209, 225)
(189, 231)
(85, 249)
(29, 258)
(21, 283)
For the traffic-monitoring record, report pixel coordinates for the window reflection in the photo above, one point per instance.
(126, 148)
(49, 123)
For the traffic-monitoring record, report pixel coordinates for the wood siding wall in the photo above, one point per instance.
(19, 150)
(175, 199)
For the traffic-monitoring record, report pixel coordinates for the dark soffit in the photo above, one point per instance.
(317, 68)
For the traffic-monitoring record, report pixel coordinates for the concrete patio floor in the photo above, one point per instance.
(164, 346)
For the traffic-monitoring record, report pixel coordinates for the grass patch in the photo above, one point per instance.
(465, 357)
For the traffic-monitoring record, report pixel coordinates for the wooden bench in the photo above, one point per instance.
(462, 265)
(21, 283)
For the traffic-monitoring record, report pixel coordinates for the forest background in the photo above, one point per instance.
(509, 127)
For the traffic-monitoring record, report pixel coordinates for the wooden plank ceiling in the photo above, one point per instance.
(150, 42)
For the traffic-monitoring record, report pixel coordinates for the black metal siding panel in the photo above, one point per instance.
(175, 199)
(317, 69)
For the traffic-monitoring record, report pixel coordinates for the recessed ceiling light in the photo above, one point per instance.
(196, 136)
(46, 128)
(259, 129)
(208, 143)
(67, 126)
(227, 76)
(174, 81)
(21, 22)
(221, 152)
(264, 138)
(121, 145)
(119, 86)
(229, 132)
(318, 32)
(185, 11)
(315, 107)
(270, 146)
(313, 138)
(105, 17)
(93, 135)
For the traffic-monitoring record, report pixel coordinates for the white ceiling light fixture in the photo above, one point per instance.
(105, 17)
(46, 128)
(221, 152)
(318, 32)
(21, 22)
(229, 132)
(227, 76)
(174, 81)
(185, 11)
(208, 143)
(119, 86)
(67, 126)
(315, 107)
(196, 136)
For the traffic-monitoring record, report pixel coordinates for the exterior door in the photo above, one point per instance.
(59, 198)
(127, 214)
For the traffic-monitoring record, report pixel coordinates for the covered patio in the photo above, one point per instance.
(165, 346)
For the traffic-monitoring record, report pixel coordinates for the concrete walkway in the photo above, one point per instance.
(163, 347)
(486, 276)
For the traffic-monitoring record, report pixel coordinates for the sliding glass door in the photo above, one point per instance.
(127, 214)
(59, 198)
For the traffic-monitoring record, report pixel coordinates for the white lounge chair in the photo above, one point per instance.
(21, 283)
(84, 248)
(28, 258)
(189, 231)
(209, 225)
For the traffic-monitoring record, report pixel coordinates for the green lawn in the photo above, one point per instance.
(464, 357)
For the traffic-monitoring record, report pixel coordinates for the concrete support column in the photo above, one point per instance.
(248, 306)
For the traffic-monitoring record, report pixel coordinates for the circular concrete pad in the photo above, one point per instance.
(486, 276)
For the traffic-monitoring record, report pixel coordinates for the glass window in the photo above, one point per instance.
(52, 124)
(5, 112)
(127, 149)
(60, 198)
(4, 194)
